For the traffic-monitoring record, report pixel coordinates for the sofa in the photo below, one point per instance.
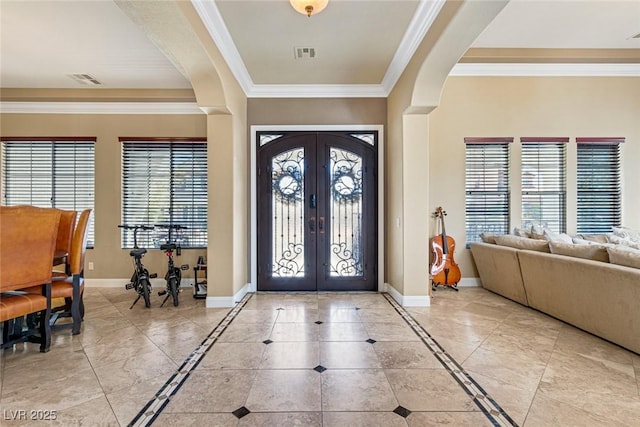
(588, 292)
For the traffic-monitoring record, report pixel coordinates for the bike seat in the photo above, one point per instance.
(168, 247)
(138, 252)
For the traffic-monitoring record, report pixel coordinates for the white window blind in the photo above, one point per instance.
(165, 182)
(50, 172)
(599, 193)
(543, 183)
(486, 186)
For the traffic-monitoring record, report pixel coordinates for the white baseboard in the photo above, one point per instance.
(223, 302)
(408, 300)
(469, 282)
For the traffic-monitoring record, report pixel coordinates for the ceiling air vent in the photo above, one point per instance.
(304, 52)
(85, 79)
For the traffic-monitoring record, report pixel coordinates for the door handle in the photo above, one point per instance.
(313, 201)
(312, 225)
(321, 225)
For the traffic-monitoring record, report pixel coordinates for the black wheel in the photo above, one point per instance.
(173, 288)
(146, 291)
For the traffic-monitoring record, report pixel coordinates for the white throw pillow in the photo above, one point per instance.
(552, 236)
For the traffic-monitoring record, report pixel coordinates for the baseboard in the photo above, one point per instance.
(469, 282)
(408, 300)
(225, 302)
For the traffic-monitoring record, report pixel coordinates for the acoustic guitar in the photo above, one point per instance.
(444, 270)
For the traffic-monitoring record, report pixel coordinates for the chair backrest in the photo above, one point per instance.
(65, 230)
(79, 243)
(27, 244)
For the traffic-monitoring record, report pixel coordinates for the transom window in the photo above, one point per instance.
(164, 181)
(50, 173)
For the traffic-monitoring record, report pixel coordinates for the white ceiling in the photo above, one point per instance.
(357, 42)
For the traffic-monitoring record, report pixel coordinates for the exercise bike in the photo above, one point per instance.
(173, 278)
(140, 278)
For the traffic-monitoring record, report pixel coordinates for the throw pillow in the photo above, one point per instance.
(552, 236)
(617, 240)
(624, 256)
(519, 242)
(521, 232)
(537, 231)
(488, 238)
(627, 233)
(597, 238)
(592, 252)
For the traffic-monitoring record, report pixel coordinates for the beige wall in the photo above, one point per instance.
(110, 261)
(316, 111)
(521, 106)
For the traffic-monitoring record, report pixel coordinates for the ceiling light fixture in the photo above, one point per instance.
(309, 7)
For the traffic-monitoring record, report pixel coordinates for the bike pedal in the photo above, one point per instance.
(128, 286)
(160, 293)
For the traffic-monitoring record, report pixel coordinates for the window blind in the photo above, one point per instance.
(50, 172)
(486, 186)
(599, 193)
(165, 182)
(543, 183)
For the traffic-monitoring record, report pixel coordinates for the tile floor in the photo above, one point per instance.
(472, 358)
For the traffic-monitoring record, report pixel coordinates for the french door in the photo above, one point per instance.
(317, 211)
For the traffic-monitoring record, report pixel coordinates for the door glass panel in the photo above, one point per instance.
(287, 201)
(345, 210)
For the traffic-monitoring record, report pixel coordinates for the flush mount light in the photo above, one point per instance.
(309, 7)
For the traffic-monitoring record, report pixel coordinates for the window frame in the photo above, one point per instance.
(166, 151)
(501, 211)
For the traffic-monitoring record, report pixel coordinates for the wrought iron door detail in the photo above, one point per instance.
(345, 210)
(287, 182)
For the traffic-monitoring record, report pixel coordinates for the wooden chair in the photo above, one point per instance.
(27, 246)
(71, 287)
(65, 235)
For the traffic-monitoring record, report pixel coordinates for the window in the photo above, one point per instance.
(49, 172)
(486, 186)
(543, 183)
(599, 194)
(165, 182)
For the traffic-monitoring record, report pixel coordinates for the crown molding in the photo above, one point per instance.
(7, 107)
(317, 91)
(213, 22)
(426, 13)
(545, 70)
(422, 20)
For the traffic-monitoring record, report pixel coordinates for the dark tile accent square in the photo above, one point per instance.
(267, 342)
(402, 411)
(320, 369)
(241, 412)
(318, 322)
(371, 341)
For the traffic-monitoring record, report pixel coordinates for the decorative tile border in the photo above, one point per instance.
(487, 405)
(154, 407)
(496, 415)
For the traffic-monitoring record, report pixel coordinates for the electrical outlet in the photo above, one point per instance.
(90, 266)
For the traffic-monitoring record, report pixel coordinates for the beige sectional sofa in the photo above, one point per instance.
(598, 297)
